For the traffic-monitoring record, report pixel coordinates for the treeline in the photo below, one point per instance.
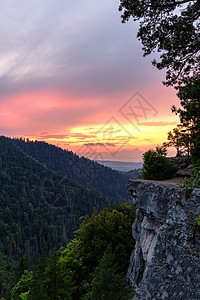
(111, 184)
(92, 266)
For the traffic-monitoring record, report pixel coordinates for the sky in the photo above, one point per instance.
(73, 75)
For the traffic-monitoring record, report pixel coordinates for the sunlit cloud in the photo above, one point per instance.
(65, 76)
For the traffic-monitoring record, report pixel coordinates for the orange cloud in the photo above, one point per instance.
(74, 121)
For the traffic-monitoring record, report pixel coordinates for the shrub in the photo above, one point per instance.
(156, 165)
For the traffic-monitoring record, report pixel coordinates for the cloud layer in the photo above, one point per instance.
(79, 47)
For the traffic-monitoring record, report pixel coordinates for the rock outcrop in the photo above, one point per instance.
(166, 261)
(183, 165)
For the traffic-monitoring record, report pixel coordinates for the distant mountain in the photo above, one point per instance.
(134, 155)
(39, 208)
(120, 165)
(109, 183)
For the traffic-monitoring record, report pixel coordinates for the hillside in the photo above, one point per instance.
(39, 208)
(109, 183)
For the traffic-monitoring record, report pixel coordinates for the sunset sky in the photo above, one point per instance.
(73, 75)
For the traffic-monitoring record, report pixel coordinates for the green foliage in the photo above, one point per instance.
(22, 287)
(69, 273)
(156, 165)
(168, 26)
(24, 296)
(197, 221)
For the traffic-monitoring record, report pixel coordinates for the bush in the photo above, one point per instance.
(156, 165)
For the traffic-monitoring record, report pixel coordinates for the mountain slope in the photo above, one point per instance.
(39, 208)
(104, 180)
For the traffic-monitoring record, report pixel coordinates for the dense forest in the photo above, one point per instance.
(39, 208)
(92, 266)
(111, 184)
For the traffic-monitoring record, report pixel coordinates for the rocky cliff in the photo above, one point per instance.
(166, 261)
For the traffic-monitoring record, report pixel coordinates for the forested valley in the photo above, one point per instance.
(111, 184)
(39, 211)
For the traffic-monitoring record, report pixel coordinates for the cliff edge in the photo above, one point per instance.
(166, 261)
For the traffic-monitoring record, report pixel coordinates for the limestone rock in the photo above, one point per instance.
(166, 260)
(185, 172)
(183, 165)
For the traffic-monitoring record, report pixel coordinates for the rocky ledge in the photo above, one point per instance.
(166, 261)
(183, 165)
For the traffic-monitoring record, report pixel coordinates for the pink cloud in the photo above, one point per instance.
(46, 111)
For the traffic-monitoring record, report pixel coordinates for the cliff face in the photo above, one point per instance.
(166, 261)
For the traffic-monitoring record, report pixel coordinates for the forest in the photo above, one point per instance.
(39, 209)
(109, 183)
(92, 266)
